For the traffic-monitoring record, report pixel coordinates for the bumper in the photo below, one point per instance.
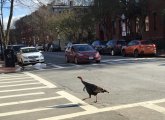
(33, 61)
(88, 59)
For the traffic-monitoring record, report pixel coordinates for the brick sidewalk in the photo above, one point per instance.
(4, 69)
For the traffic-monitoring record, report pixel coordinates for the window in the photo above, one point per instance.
(147, 23)
(137, 25)
(154, 18)
(114, 27)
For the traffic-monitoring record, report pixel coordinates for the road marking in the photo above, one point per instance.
(2, 86)
(76, 100)
(30, 101)
(155, 107)
(43, 81)
(24, 89)
(57, 66)
(20, 95)
(88, 112)
(23, 111)
(16, 81)
(4, 79)
(12, 76)
(129, 59)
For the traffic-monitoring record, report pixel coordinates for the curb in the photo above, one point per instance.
(9, 69)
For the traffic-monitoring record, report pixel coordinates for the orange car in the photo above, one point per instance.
(139, 47)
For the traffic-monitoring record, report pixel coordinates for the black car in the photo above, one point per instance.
(113, 47)
(16, 48)
(98, 45)
(54, 48)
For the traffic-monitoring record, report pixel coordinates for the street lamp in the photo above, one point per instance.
(58, 37)
(123, 25)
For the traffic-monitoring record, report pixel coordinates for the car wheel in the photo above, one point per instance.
(76, 60)
(112, 52)
(66, 59)
(97, 61)
(136, 53)
(123, 53)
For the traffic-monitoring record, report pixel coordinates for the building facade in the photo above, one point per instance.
(129, 29)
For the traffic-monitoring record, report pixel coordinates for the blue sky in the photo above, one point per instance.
(20, 10)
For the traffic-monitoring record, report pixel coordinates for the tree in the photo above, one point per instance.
(5, 33)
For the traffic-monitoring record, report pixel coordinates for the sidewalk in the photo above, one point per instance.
(4, 69)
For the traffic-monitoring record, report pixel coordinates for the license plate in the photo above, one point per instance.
(33, 59)
(90, 58)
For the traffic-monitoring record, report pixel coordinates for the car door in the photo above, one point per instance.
(109, 46)
(129, 47)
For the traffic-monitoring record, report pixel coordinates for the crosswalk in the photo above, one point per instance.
(123, 61)
(54, 66)
(25, 96)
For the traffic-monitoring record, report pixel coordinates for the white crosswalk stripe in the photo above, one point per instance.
(40, 94)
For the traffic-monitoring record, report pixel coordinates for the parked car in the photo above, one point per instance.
(40, 47)
(98, 45)
(139, 47)
(29, 55)
(16, 48)
(113, 47)
(81, 53)
(54, 48)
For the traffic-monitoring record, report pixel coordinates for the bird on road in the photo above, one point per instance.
(91, 89)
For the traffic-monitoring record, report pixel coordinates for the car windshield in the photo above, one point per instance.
(83, 48)
(29, 50)
(121, 42)
(146, 42)
(15, 47)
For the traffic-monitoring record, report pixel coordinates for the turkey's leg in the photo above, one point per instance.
(87, 97)
(96, 99)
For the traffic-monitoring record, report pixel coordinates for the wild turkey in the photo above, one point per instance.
(91, 89)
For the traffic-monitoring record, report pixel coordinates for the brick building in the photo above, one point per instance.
(154, 26)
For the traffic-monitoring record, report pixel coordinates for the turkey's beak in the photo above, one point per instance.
(105, 91)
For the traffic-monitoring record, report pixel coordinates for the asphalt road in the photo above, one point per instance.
(136, 86)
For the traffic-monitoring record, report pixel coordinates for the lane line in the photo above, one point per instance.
(16, 81)
(57, 66)
(24, 89)
(88, 112)
(22, 78)
(30, 101)
(129, 59)
(43, 81)
(76, 100)
(21, 95)
(155, 107)
(34, 83)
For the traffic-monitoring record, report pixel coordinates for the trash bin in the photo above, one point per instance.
(9, 58)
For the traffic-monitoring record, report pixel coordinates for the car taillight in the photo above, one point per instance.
(154, 45)
(97, 54)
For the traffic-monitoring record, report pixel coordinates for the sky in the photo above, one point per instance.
(20, 9)
(27, 6)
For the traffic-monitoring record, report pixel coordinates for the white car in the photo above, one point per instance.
(29, 55)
